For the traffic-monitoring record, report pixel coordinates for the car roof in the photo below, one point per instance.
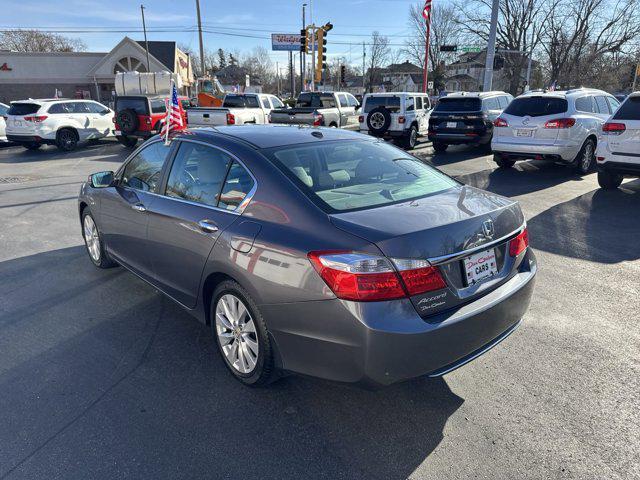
(573, 92)
(394, 94)
(475, 94)
(268, 136)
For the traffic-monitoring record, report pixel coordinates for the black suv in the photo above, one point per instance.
(465, 118)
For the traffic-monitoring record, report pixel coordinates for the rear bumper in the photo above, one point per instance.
(381, 343)
(518, 151)
(28, 139)
(138, 133)
(470, 137)
(624, 168)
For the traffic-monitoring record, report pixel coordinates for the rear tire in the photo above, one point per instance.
(609, 180)
(66, 139)
(585, 160)
(32, 146)
(246, 332)
(128, 142)
(440, 147)
(503, 162)
(94, 242)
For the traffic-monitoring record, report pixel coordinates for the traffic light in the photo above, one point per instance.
(322, 52)
(303, 40)
(343, 74)
(498, 62)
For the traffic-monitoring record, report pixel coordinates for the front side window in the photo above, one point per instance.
(613, 103)
(236, 187)
(265, 102)
(351, 175)
(79, 107)
(351, 100)
(276, 102)
(343, 100)
(418, 103)
(410, 104)
(143, 171)
(198, 173)
(95, 107)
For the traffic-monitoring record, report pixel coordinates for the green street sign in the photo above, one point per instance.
(469, 49)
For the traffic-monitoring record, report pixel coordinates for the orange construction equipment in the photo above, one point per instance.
(210, 92)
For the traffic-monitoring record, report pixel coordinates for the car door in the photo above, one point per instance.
(265, 103)
(422, 117)
(101, 119)
(80, 117)
(202, 197)
(124, 207)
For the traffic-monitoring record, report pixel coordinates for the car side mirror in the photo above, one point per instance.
(101, 179)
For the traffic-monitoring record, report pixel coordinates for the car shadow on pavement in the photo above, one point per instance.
(600, 226)
(101, 376)
(525, 177)
(112, 149)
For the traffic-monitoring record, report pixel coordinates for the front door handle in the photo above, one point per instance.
(138, 207)
(208, 226)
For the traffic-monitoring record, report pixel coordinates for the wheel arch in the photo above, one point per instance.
(68, 127)
(208, 287)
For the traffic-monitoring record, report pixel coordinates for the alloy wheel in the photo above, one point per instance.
(237, 334)
(92, 238)
(587, 157)
(377, 120)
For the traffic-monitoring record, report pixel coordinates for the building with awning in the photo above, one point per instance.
(87, 74)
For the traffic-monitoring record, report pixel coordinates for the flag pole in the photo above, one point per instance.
(167, 121)
(425, 75)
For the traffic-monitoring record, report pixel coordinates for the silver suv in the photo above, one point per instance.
(560, 126)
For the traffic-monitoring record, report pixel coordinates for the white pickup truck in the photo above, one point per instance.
(237, 109)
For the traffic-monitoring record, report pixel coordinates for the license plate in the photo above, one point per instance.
(479, 266)
(452, 124)
(524, 132)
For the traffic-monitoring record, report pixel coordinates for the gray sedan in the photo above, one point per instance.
(317, 251)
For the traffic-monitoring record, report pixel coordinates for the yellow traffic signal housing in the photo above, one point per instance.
(322, 54)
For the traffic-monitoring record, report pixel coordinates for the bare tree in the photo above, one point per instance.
(259, 65)
(377, 57)
(38, 41)
(444, 31)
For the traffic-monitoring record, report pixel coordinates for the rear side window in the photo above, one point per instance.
(603, 106)
(23, 108)
(458, 105)
(79, 107)
(354, 175)
(59, 108)
(585, 104)
(252, 102)
(409, 104)
(234, 101)
(236, 187)
(391, 103)
(503, 102)
(158, 106)
(138, 105)
(492, 104)
(536, 106)
(144, 170)
(95, 107)
(629, 110)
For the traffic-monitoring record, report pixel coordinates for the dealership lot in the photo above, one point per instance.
(103, 377)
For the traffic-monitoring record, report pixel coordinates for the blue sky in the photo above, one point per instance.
(353, 21)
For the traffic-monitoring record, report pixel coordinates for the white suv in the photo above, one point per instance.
(64, 123)
(402, 116)
(561, 126)
(3, 113)
(618, 151)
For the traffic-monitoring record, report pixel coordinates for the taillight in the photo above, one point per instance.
(231, 119)
(147, 121)
(318, 120)
(500, 122)
(365, 278)
(519, 244)
(361, 119)
(36, 118)
(613, 128)
(560, 123)
(401, 119)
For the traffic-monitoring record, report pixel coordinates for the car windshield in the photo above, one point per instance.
(352, 175)
(316, 100)
(139, 104)
(536, 106)
(23, 108)
(458, 105)
(391, 103)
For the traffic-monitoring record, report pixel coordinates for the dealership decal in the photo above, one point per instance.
(5, 68)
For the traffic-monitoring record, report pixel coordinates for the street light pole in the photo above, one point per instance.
(491, 47)
(146, 43)
(302, 55)
(202, 72)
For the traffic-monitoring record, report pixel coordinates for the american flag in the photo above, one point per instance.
(426, 11)
(173, 120)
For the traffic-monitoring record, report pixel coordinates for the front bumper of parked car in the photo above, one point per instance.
(380, 343)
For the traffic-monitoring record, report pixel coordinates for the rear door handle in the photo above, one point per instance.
(138, 207)
(208, 226)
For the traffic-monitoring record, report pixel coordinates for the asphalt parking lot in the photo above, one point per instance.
(103, 377)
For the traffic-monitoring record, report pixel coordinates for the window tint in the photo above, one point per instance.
(59, 108)
(536, 106)
(409, 104)
(391, 103)
(492, 104)
(342, 99)
(139, 105)
(95, 107)
(603, 106)
(613, 103)
(629, 110)
(352, 101)
(252, 102)
(585, 104)
(340, 176)
(276, 102)
(316, 100)
(197, 173)
(418, 103)
(237, 186)
(234, 101)
(458, 105)
(23, 108)
(143, 171)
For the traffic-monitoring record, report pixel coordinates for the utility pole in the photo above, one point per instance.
(635, 77)
(292, 77)
(277, 79)
(313, 48)
(491, 47)
(302, 55)
(203, 73)
(533, 33)
(146, 44)
(364, 63)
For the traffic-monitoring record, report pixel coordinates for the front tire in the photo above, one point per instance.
(609, 180)
(66, 139)
(93, 241)
(242, 336)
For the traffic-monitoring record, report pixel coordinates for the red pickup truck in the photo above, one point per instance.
(140, 116)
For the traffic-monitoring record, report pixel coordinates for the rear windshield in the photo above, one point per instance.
(352, 175)
(139, 105)
(458, 105)
(234, 101)
(536, 106)
(629, 110)
(316, 100)
(23, 108)
(391, 103)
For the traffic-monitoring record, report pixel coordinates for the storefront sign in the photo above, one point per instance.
(285, 41)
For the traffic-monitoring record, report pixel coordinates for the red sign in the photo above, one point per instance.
(5, 68)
